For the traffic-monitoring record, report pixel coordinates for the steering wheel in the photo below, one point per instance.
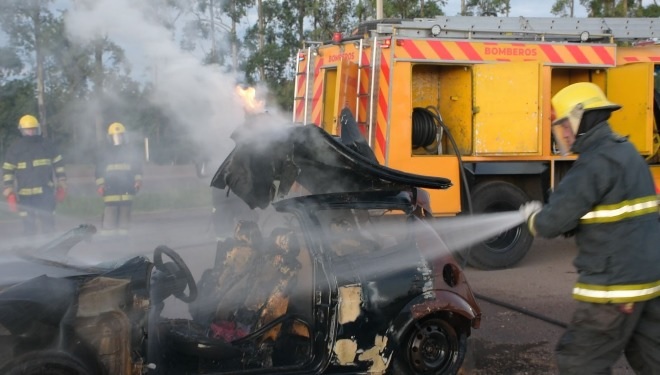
(180, 270)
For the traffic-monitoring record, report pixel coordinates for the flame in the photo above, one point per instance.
(250, 103)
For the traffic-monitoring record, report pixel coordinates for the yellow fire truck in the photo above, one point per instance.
(468, 98)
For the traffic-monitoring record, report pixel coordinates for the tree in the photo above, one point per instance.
(214, 20)
(563, 8)
(612, 8)
(16, 99)
(236, 10)
(488, 7)
(10, 63)
(29, 25)
(651, 10)
(366, 9)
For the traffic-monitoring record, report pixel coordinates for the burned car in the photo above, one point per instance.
(342, 274)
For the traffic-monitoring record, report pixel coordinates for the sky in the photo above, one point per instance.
(524, 8)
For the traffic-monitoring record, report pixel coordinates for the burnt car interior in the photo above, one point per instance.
(253, 314)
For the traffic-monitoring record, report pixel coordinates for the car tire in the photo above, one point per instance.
(510, 247)
(47, 363)
(431, 347)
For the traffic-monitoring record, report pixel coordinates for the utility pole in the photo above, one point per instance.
(379, 9)
(98, 90)
(214, 51)
(262, 36)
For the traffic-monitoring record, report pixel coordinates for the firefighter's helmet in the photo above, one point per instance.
(28, 125)
(582, 96)
(568, 106)
(116, 133)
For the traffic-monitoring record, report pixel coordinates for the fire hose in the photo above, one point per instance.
(426, 122)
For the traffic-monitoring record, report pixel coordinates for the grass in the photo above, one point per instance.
(85, 207)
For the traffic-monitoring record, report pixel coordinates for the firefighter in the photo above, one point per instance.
(608, 202)
(118, 180)
(34, 178)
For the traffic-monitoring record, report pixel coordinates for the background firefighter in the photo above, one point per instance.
(607, 200)
(118, 180)
(34, 178)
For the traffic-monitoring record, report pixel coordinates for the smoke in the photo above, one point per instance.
(200, 98)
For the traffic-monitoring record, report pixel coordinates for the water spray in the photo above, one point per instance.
(461, 232)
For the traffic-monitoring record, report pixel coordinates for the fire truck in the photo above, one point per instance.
(468, 98)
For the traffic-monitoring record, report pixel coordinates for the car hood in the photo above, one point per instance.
(18, 268)
(265, 164)
(50, 259)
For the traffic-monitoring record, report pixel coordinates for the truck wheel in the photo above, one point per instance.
(509, 247)
(432, 347)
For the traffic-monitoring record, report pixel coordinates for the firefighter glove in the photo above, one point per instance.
(530, 208)
(12, 202)
(60, 194)
(61, 183)
(100, 190)
(7, 191)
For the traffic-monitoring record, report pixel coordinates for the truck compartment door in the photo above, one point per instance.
(346, 89)
(507, 109)
(632, 87)
(329, 123)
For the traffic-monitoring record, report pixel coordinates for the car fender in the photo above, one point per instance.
(428, 304)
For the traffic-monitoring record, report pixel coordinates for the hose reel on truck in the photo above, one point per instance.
(489, 196)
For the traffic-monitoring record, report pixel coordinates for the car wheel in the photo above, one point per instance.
(47, 363)
(509, 247)
(432, 346)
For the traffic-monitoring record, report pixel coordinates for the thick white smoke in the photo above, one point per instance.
(199, 97)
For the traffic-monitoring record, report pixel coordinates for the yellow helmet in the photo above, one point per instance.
(579, 96)
(28, 122)
(29, 125)
(569, 105)
(116, 133)
(116, 128)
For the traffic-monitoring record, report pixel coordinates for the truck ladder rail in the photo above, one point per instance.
(527, 28)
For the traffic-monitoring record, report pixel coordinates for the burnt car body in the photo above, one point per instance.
(344, 275)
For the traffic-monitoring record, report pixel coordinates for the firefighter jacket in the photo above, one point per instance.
(608, 198)
(32, 165)
(119, 171)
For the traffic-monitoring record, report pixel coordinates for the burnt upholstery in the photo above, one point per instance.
(223, 288)
(275, 277)
(230, 331)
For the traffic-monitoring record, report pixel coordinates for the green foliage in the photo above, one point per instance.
(399, 9)
(488, 7)
(146, 201)
(16, 100)
(10, 63)
(563, 8)
(614, 8)
(652, 10)
(172, 200)
(24, 21)
(80, 207)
